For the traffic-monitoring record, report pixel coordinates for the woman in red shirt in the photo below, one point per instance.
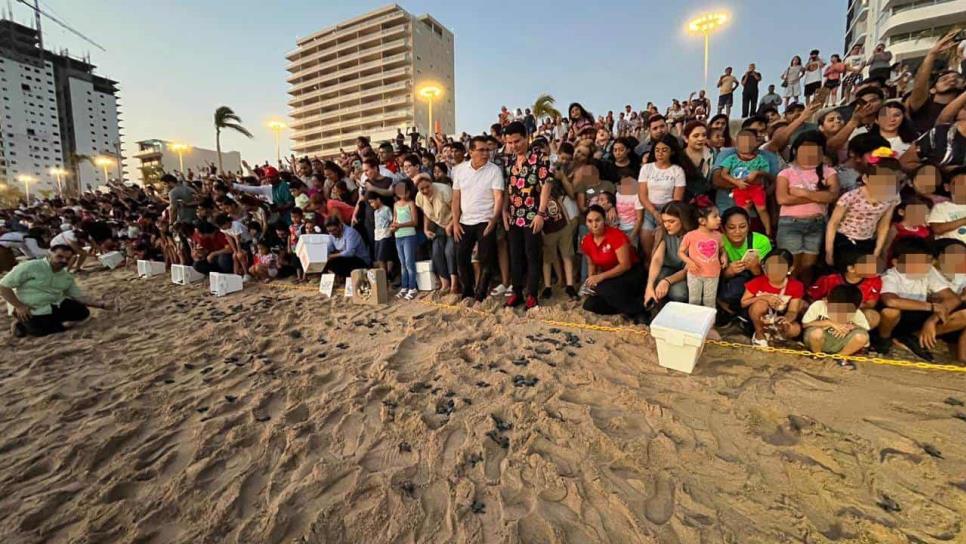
(614, 276)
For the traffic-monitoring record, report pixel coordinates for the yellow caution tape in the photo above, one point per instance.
(920, 365)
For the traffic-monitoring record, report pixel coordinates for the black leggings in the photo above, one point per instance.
(526, 258)
(68, 311)
(621, 295)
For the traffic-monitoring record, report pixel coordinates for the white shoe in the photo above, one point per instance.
(401, 293)
(499, 290)
(758, 342)
(509, 291)
(411, 294)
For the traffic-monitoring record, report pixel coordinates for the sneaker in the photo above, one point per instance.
(410, 294)
(509, 291)
(758, 342)
(514, 301)
(571, 292)
(531, 302)
(498, 290)
(546, 293)
(401, 293)
(912, 343)
(881, 345)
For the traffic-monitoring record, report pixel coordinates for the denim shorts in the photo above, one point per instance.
(650, 223)
(801, 235)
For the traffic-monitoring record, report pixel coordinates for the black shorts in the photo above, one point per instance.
(726, 100)
(832, 83)
(383, 249)
(811, 88)
(911, 321)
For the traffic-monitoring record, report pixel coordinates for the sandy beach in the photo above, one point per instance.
(275, 416)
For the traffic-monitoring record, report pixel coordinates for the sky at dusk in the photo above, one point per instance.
(176, 61)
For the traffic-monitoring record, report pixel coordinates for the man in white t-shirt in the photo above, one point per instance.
(477, 206)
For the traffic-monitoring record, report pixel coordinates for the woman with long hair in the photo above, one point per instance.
(696, 160)
(720, 122)
(661, 181)
(791, 79)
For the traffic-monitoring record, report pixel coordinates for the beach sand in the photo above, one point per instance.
(274, 415)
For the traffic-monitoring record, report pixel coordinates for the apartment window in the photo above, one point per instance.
(24, 87)
(30, 132)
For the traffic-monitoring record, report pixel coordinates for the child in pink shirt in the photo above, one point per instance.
(704, 257)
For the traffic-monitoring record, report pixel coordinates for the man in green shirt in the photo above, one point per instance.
(42, 295)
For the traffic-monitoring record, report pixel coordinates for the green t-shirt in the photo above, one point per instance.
(758, 241)
(39, 287)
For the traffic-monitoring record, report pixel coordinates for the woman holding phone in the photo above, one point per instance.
(745, 250)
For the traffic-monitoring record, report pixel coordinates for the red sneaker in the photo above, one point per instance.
(531, 301)
(514, 301)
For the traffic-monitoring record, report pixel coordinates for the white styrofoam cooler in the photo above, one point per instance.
(223, 284)
(313, 252)
(425, 280)
(680, 331)
(112, 259)
(183, 275)
(150, 269)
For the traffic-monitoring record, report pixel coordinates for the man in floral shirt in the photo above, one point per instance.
(528, 174)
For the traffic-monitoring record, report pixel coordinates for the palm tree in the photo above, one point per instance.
(543, 107)
(226, 118)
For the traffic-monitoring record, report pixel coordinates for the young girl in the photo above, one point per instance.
(608, 201)
(862, 217)
(404, 228)
(630, 212)
(774, 300)
(266, 264)
(804, 190)
(702, 254)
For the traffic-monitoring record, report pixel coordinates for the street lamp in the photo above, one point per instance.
(430, 92)
(180, 149)
(277, 127)
(104, 162)
(705, 25)
(59, 174)
(27, 180)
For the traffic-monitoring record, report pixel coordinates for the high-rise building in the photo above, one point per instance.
(363, 77)
(56, 111)
(908, 28)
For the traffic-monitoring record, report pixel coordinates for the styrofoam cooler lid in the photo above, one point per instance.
(677, 319)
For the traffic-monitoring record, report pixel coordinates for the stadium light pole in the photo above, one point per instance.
(180, 149)
(27, 180)
(430, 92)
(705, 25)
(59, 174)
(104, 162)
(277, 127)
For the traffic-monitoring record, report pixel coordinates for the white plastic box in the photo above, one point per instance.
(112, 259)
(425, 280)
(680, 331)
(183, 275)
(223, 284)
(150, 269)
(313, 252)
(326, 284)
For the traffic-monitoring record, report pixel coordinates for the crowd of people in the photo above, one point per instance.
(838, 221)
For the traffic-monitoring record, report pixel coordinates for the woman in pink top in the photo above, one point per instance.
(803, 191)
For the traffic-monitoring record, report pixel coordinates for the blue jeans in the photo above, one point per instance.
(406, 248)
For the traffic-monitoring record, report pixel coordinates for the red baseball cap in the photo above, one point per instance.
(269, 172)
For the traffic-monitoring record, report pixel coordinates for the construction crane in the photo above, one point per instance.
(38, 12)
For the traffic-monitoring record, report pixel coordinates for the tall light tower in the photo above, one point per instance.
(26, 180)
(59, 174)
(705, 25)
(430, 92)
(277, 127)
(180, 149)
(104, 162)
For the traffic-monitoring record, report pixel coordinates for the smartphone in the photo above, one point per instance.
(821, 95)
(960, 36)
(751, 254)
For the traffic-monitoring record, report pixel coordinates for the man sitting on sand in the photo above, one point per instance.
(42, 295)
